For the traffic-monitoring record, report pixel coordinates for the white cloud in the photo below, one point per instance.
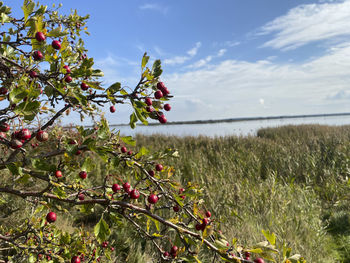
(203, 62)
(182, 59)
(309, 23)
(155, 7)
(232, 88)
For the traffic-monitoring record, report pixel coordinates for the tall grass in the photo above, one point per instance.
(292, 180)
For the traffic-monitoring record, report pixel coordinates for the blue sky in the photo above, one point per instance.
(226, 58)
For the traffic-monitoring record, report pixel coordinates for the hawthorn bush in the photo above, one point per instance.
(50, 174)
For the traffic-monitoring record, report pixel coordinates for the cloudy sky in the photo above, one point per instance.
(225, 58)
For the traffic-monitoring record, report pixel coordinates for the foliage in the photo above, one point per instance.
(47, 172)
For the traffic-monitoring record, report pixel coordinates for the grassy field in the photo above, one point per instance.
(292, 180)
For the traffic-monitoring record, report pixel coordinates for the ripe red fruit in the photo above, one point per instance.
(246, 254)
(81, 197)
(33, 74)
(75, 259)
(115, 188)
(2, 135)
(82, 174)
(58, 174)
(151, 172)
(167, 107)
(166, 254)
(159, 167)
(39, 36)
(205, 221)
(51, 217)
(72, 142)
(160, 85)
(78, 152)
(149, 109)
(134, 194)
(165, 91)
(56, 44)
(15, 144)
(37, 55)
(123, 149)
(148, 101)
(25, 134)
(112, 109)
(162, 119)
(259, 260)
(158, 94)
(173, 250)
(68, 79)
(152, 199)
(42, 136)
(84, 86)
(176, 208)
(3, 91)
(129, 152)
(126, 186)
(199, 227)
(4, 127)
(67, 68)
(208, 214)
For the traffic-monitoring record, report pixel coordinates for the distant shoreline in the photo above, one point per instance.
(241, 119)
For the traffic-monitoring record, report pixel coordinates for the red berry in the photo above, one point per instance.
(129, 152)
(42, 136)
(152, 199)
(176, 208)
(162, 119)
(4, 127)
(37, 55)
(160, 85)
(78, 152)
(126, 186)
(181, 190)
(84, 86)
(115, 188)
(51, 217)
(165, 91)
(199, 227)
(68, 79)
(112, 109)
(15, 144)
(149, 109)
(134, 194)
(58, 174)
(56, 44)
(151, 172)
(39, 36)
(123, 149)
(75, 259)
(173, 249)
(208, 214)
(81, 197)
(259, 260)
(2, 135)
(25, 134)
(158, 94)
(82, 174)
(33, 74)
(148, 101)
(205, 221)
(3, 91)
(67, 68)
(247, 254)
(166, 254)
(159, 167)
(72, 141)
(167, 107)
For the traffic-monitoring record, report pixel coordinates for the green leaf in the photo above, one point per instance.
(271, 237)
(133, 120)
(15, 168)
(101, 230)
(143, 151)
(28, 7)
(144, 60)
(114, 87)
(128, 140)
(43, 165)
(88, 165)
(57, 33)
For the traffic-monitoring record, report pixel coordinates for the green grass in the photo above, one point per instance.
(292, 180)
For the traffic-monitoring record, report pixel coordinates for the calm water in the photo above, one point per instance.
(243, 128)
